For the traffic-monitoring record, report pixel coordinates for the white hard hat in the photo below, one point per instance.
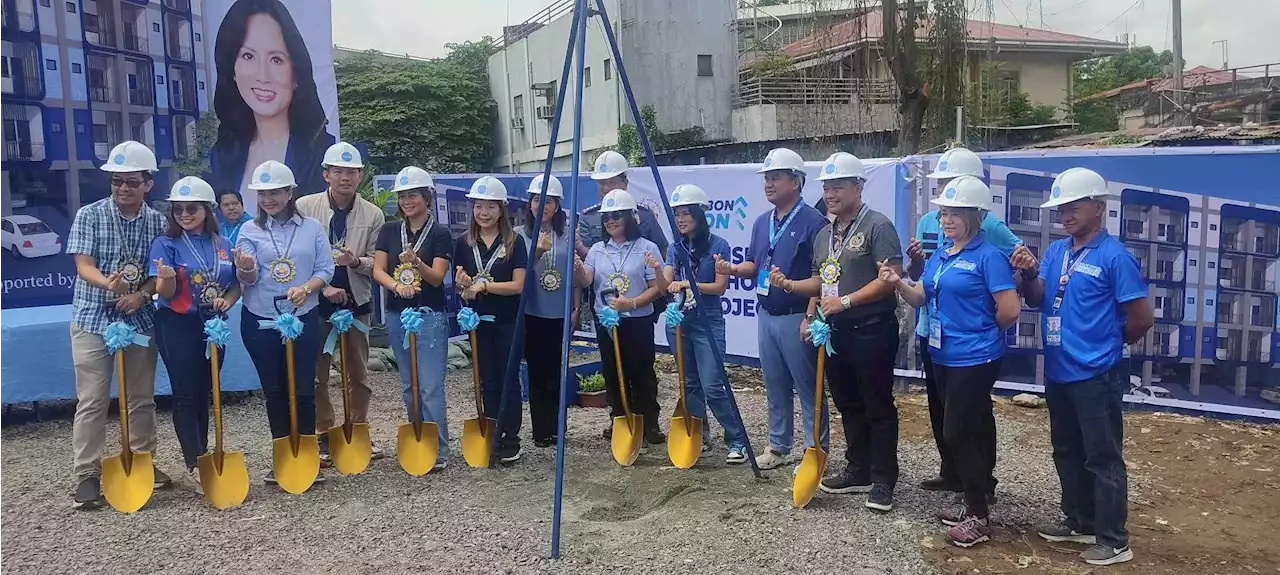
(608, 165)
(192, 189)
(271, 175)
(1075, 184)
(965, 192)
(342, 155)
(689, 195)
(131, 156)
(412, 178)
(554, 189)
(488, 188)
(617, 201)
(842, 165)
(957, 162)
(782, 159)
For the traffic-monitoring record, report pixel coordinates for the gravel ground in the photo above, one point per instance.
(650, 518)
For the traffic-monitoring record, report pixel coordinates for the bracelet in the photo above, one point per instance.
(246, 271)
(788, 285)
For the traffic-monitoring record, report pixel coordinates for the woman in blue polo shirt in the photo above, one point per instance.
(969, 294)
(194, 278)
(703, 328)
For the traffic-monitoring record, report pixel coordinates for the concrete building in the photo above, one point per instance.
(680, 57)
(84, 75)
(763, 30)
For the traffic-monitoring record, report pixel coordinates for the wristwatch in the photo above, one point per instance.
(844, 301)
(810, 316)
(306, 288)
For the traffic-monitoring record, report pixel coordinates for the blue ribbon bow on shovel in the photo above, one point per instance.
(289, 326)
(342, 321)
(120, 335)
(217, 332)
(468, 319)
(673, 314)
(820, 333)
(411, 319)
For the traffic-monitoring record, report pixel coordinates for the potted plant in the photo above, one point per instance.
(591, 390)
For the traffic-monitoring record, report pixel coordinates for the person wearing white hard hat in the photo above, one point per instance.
(490, 261)
(544, 313)
(610, 174)
(843, 283)
(353, 224)
(195, 279)
(970, 299)
(1093, 300)
(954, 163)
(283, 260)
(782, 238)
(704, 327)
(109, 240)
(623, 272)
(410, 262)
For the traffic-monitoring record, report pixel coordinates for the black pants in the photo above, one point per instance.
(542, 347)
(180, 341)
(947, 469)
(267, 350)
(969, 428)
(494, 341)
(860, 375)
(635, 339)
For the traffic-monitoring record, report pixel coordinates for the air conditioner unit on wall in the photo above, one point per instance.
(545, 112)
(517, 123)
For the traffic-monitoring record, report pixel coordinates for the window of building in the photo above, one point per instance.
(994, 200)
(51, 64)
(1191, 300)
(201, 84)
(100, 133)
(71, 7)
(46, 3)
(1213, 265)
(159, 79)
(1213, 227)
(1112, 212)
(155, 26)
(704, 65)
(79, 128)
(586, 76)
(1195, 225)
(4, 66)
(608, 70)
(56, 127)
(517, 106)
(76, 68)
(1192, 263)
(197, 36)
(1207, 302)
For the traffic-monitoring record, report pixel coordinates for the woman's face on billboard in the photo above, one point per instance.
(264, 72)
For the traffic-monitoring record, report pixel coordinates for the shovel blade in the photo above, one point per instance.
(350, 457)
(417, 456)
(475, 441)
(684, 441)
(627, 436)
(128, 491)
(296, 472)
(808, 476)
(227, 489)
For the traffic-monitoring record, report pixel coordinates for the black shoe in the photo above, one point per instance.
(509, 453)
(941, 484)
(545, 441)
(845, 482)
(880, 498)
(159, 479)
(654, 436)
(326, 460)
(88, 493)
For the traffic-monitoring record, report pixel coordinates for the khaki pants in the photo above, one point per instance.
(357, 373)
(95, 367)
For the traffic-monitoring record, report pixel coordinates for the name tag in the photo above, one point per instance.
(1053, 333)
(935, 332)
(762, 281)
(831, 290)
(1089, 270)
(966, 265)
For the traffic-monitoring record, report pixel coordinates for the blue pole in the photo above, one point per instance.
(684, 260)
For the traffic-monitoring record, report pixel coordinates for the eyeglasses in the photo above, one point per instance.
(612, 216)
(133, 184)
(189, 209)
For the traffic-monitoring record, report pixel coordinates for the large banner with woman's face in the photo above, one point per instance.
(273, 90)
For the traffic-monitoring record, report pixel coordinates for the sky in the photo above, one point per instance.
(423, 27)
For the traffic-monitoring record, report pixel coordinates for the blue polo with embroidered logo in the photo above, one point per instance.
(929, 234)
(793, 254)
(1092, 312)
(959, 289)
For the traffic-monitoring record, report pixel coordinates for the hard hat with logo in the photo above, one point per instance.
(130, 156)
(1075, 184)
(842, 165)
(608, 165)
(488, 188)
(271, 175)
(965, 192)
(957, 162)
(554, 189)
(342, 155)
(617, 201)
(689, 195)
(412, 178)
(782, 159)
(192, 189)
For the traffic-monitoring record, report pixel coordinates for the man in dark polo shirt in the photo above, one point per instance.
(844, 283)
(782, 239)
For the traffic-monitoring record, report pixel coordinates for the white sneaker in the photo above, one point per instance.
(440, 464)
(706, 450)
(737, 456)
(771, 459)
(195, 478)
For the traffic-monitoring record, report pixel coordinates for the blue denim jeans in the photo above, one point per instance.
(1086, 427)
(705, 378)
(433, 353)
(790, 366)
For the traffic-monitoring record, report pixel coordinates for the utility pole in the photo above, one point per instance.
(1224, 54)
(1177, 59)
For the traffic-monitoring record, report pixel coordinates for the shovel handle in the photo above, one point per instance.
(680, 362)
(475, 377)
(415, 412)
(293, 395)
(216, 380)
(346, 386)
(126, 453)
(622, 381)
(818, 404)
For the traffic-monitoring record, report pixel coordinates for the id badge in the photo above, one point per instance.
(1053, 334)
(831, 290)
(935, 332)
(762, 281)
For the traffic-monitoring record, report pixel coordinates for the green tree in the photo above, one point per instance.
(1108, 72)
(472, 55)
(205, 135)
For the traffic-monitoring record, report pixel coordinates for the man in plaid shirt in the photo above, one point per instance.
(110, 240)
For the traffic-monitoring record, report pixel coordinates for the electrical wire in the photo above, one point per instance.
(1069, 8)
(1011, 12)
(1117, 18)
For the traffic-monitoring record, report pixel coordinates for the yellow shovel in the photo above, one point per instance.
(223, 474)
(628, 429)
(417, 442)
(129, 478)
(684, 442)
(296, 458)
(475, 435)
(349, 443)
(809, 474)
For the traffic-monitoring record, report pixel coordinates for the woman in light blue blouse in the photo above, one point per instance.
(282, 259)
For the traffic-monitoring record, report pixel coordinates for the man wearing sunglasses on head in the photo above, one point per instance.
(110, 240)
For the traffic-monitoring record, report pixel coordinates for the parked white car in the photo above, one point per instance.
(28, 237)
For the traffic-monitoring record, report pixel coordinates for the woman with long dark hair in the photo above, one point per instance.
(703, 329)
(266, 100)
(491, 259)
(194, 277)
